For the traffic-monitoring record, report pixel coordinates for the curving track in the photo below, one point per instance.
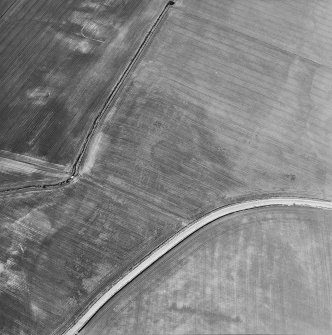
(178, 238)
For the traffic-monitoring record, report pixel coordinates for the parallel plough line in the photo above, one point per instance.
(182, 235)
(87, 140)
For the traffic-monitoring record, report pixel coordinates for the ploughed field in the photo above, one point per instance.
(225, 101)
(264, 271)
(59, 62)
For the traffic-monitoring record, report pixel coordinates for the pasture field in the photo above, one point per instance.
(209, 115)
(264, 271)
(59, 61)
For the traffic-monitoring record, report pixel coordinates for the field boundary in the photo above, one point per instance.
(147, 38)
(74, 170)
(181, 236)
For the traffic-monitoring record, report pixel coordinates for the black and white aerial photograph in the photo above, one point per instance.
(165, 167)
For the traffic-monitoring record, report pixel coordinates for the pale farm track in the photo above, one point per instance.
(181, 236)
(250, 86)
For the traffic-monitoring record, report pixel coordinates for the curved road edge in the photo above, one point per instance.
(182, 235)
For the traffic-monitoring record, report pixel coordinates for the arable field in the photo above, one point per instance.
(208, 114)
(266, 271)
(60, 248)
(59, 61)
(6, 5)
(211, 114)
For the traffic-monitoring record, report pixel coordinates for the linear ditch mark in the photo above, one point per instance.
(110, 99)
(118, 85)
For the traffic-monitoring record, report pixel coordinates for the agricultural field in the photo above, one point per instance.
(60, 61)
(5, 6)
(162, 113)
(60, 248)
(265, 271)
(210, 115)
